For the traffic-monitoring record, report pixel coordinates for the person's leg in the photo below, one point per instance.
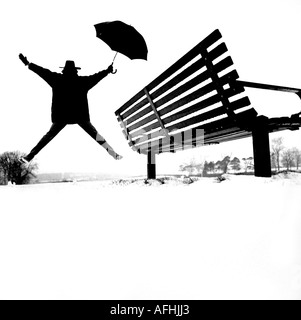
(54, 130)
(92, 132)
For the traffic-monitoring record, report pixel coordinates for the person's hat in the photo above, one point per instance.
(70, 65)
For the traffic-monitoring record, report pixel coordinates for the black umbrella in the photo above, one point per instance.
(122, 38)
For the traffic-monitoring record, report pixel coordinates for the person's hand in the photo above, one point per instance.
(24, 59)
(110, 69)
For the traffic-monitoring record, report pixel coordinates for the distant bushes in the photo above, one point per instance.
(215, 169)
(282, 158)
(12, 170)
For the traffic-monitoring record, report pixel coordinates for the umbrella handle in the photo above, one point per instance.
(114, 71)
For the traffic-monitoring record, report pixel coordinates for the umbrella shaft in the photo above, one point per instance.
(115, 57)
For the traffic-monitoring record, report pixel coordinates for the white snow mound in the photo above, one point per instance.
(172, 239)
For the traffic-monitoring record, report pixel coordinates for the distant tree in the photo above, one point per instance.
(277, 148)
(235, 164)
(199, 168)
(248, 163)
(218, 165)
(2, 178)
(181, 168)
(273, 161)
(224, 165)
(192, 167)
(297, 157)
(288, 159)
(206, 168)
(13, 171)
(211, 166)
(189, 168)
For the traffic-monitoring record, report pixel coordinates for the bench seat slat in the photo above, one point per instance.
(195, 120)
(194, 108)
(230, 137)
(234, 135)
(213, 131)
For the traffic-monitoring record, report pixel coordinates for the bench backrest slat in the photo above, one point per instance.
(196, 81)
(183, 101)
(218, 51)
(199, 89)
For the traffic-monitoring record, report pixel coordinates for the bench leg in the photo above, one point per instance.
(261, 146)
(151, 165)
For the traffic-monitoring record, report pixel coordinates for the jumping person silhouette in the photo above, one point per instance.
(69, 103)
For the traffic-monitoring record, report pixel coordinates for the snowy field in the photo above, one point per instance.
(239, 239)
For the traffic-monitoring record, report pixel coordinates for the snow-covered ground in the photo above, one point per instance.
(239, 239)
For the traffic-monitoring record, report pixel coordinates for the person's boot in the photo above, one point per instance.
(118, 157)
(111, 152)
(25, 160)
(25, 163)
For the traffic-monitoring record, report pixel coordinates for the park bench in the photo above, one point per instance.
(200, 101)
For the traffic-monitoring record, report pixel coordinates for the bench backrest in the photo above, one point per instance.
(195, 101)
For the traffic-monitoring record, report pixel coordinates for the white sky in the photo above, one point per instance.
(262, 37)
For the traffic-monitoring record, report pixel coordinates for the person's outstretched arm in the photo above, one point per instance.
(45, 74)
(95, 78)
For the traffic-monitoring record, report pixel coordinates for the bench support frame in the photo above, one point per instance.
(261, 147)
(260, 133)
(151, 166)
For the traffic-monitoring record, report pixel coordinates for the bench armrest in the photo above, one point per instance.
(270, 87)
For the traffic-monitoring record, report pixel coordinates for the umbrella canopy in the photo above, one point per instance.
(122, 38)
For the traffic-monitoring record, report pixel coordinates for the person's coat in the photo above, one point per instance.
(70, 94)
